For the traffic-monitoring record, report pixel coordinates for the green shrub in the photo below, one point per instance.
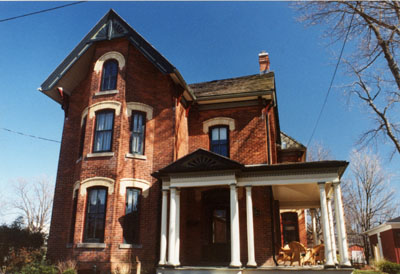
(388, 267)
(69, 271)
(38, 268)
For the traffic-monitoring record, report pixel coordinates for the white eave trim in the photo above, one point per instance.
(382, 228)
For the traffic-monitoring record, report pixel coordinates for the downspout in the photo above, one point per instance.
(268, 134)
(271, 197)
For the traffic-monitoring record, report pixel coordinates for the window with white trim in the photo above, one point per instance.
(95, 215)
(131, 222)
(138, 127)
(109, 76)
(219, 140)
(103, 134)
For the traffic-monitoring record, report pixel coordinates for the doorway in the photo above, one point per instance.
(216, 236)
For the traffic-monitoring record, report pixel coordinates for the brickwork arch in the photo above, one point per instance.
(131, 106)
(107, 56)
(97, 181)
(218, 121)
(115, 105)
(136, 183)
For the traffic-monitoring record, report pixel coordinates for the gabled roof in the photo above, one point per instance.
(200, 160)
(394, 220)
(73, 69)
(243, 86)
(391, 224)
(290, 142)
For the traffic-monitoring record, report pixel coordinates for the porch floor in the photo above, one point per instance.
(258, 270)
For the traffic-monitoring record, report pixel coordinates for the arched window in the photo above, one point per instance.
(219, 140)
(109, 76)
(95, 215)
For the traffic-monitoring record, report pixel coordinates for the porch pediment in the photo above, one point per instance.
(198, 161)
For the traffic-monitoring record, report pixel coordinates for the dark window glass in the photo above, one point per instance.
(95, 215)
(219, 140)
(109, 76)
(290, 227)
(74, 207)
(103, 131)
(137, 135)
(82, 141)
(219, 227)
(131, 218)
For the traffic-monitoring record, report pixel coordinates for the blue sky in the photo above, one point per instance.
(204, 40)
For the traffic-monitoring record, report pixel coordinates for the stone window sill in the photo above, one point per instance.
(106, 92)
(135, 156)
(100, 154)
(91, 245)
(127, 246)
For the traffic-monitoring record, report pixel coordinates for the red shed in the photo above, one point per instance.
(385, 240)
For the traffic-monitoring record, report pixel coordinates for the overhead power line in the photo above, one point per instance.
(29, 135)
(330, 85)
(41, 11)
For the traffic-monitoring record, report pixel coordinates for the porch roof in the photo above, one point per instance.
(202, 160)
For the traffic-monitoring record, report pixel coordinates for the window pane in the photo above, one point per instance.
(215, 134)
(103, 133)
(95, 215)
(131, 219)
(223, 133)
(109, 77)
(137, 135)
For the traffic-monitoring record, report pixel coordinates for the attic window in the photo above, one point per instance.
(109, 76)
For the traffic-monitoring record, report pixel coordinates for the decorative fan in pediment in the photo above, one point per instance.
(201, 162)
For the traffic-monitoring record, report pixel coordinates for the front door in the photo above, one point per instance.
(216, 227)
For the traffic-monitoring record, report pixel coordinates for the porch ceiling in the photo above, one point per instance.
(297, 196)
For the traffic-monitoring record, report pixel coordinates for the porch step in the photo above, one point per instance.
(259, 270)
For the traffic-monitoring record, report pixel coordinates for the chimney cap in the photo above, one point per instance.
(263, 53)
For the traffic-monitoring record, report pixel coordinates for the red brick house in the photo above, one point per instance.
(385, 241)
(176, 174)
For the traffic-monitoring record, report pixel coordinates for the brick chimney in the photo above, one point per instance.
(263, 59)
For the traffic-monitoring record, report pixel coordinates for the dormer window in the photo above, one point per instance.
(109, 76)
(219, 140)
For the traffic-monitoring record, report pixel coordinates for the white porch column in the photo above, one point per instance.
(314, 227)
(340, 225)
(380, 246)
(172, 224)
(235, 239)
(250, 229)
(177, 226)
(163, 242)
(325, 226)
(332, 230)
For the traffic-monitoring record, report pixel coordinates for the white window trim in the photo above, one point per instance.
(97, 181)
(107, 56)
(115, 105)
(136, 106)
(84, 114)
(136, 183)
(76, 187)
(218, 121)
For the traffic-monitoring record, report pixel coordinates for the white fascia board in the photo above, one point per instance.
(381, 228)
(261, 180)
(200, 181)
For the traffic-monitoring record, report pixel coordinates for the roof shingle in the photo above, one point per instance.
(234, 86)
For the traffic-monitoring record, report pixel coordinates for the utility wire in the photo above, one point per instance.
(333, 78)
(41, 11)
(28, 135)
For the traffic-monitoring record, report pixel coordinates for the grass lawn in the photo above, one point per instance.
(366, 272)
